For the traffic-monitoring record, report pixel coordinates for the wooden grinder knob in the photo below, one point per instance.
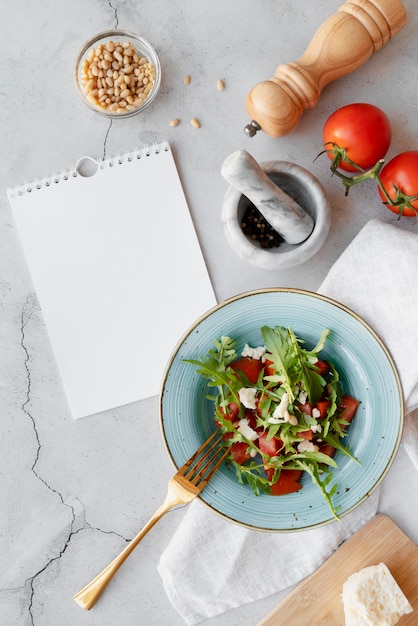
(343, 43)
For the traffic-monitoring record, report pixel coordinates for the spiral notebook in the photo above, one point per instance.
(118, 272)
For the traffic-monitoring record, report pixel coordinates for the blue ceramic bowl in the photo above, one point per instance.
(367, 372)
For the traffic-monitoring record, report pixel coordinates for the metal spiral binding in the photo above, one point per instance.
(65, 175)
(136, 153)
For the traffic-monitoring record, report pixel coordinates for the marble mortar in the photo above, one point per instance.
(307, 191)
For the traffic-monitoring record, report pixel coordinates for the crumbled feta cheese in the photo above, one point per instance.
(307, 446)
(276, 420)
(302, 397)
(316, 413)
(282, 406)
(245, 429)
(316, 428)
(254, 353)
(247, 397)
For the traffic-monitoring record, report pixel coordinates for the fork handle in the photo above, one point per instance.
(88, 596)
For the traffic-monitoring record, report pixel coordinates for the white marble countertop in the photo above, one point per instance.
(73, 492)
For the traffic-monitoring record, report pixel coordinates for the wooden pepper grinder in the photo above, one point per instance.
(343, 43)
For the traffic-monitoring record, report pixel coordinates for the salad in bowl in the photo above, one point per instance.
(308, 400)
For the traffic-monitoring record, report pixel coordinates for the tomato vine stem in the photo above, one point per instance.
(338, 154)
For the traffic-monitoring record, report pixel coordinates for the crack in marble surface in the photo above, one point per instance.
(116, 26)
(115, 11)
(75, 528)
(76, 525)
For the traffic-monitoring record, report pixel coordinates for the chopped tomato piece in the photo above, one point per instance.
(239, 451)
(252, 418)
(323, 406)
(306, 434)
(271, 447)
(286, 483)
(305, 408)
(327, 449)
(232, 412)
(350, 406)
(250, 367)
(269, 369)
(323, 367)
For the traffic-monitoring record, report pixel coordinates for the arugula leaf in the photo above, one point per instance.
(313, 470)
(215, 368)
(294, 364)
(280, 348)
(312, 382)
(251, 474)
(336, 443)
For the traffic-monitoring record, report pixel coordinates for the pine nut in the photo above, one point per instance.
(220, 85)
(187, 80)
(194, 122)
(174, 122)
(115, 77)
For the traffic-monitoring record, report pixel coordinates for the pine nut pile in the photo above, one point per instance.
(116, 78)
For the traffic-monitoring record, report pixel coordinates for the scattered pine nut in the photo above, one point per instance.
(194, 122)
(220, 85)
(187, 80)
(174, 122)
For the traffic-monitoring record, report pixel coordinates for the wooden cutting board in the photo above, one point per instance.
(317, 600)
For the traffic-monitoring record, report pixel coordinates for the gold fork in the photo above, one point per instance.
(183, 487)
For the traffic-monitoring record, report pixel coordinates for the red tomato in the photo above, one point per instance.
(269, 368)
(271, 447)
(401, 172)
(305, 408)
(327, 449)
(286, 483)
(232, 412)
(250, 367)
(322, 406)
(363, 130)
(350, 406)
(252, 418)
(306, 434)
(323, 368)
(239, 452)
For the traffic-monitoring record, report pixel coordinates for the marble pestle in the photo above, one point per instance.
(282, 212)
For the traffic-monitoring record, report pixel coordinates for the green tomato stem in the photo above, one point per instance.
(400, 201)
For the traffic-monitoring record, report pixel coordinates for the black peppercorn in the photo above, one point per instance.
(257, 228)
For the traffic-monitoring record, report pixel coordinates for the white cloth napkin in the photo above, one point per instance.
(205, 566)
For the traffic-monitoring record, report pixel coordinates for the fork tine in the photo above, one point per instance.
(202, 479)
(200, 450)
(199, 469)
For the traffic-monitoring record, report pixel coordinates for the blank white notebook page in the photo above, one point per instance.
(118, 272)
